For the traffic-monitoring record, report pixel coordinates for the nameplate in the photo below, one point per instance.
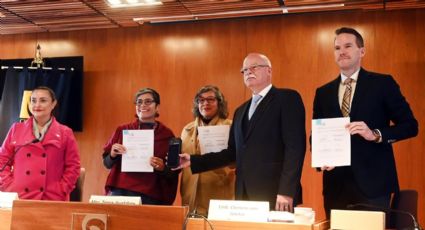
(127, 200)
(304, 215)
(7, 198)
(235, 210)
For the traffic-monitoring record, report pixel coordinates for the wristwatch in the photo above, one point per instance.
(378, 136)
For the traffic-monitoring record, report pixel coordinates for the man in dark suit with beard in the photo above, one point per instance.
(267, 143)
(379, 116)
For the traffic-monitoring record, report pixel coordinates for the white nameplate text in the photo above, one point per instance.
(235, 210)
(127, 200)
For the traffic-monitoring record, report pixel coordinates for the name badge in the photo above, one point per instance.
(127, 200)
(236, 210)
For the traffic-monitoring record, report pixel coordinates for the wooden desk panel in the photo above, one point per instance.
(5, 218)
(201, 224)
(43, 215)
(59, 215)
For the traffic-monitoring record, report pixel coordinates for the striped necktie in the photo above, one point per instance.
(345, 106)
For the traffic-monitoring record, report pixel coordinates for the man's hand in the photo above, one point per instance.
(359, 127)
(284, 203)
(184, 161)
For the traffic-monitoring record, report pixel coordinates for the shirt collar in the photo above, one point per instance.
(39, 134)
(264, 92)
(354, 76)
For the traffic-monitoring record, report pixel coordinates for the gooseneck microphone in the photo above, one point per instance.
(16, 150)
(389, 210)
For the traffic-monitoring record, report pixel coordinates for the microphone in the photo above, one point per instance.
(16, 150)
(194, 213)
(389, 210)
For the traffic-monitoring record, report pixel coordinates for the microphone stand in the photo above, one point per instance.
(16, 151)
(416, 225)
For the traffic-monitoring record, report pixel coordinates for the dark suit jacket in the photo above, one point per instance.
(269, 154)
(377, 101)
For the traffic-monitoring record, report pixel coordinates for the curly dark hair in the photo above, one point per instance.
(222, 103)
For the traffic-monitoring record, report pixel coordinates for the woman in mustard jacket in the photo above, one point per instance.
(209, 108)
(39, 158)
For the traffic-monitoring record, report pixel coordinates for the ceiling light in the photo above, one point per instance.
(2, 15)
(311, 7)
(179, 18)
(132, 3)
(238, 13)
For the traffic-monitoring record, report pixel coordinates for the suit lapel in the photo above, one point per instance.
(360, 92)
(239, 119)
(53, 136)
(259, 112)
(28, 135)
(334, 97)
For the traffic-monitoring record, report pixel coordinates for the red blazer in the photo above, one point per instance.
(45, 170)
(161, 186)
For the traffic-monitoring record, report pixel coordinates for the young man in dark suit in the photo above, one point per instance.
(379, 114)
(267, 143)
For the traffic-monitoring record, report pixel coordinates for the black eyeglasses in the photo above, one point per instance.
(147, 101)
(252, 68)
(209, 100)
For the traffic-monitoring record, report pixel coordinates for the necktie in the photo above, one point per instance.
(345, 105)
(254, 103)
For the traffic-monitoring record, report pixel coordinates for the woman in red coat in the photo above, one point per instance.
(158, 187)
(39, 158)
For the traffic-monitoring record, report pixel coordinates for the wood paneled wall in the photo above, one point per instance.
(177, 59)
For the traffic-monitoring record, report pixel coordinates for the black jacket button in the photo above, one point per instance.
(28, 172)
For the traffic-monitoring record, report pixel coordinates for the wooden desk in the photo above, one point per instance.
(201, 224)
(5, 218)
(40, 217)
(29, 215)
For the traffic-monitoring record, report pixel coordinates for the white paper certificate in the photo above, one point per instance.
(331, 143)
(213, 138)
(139, 144)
